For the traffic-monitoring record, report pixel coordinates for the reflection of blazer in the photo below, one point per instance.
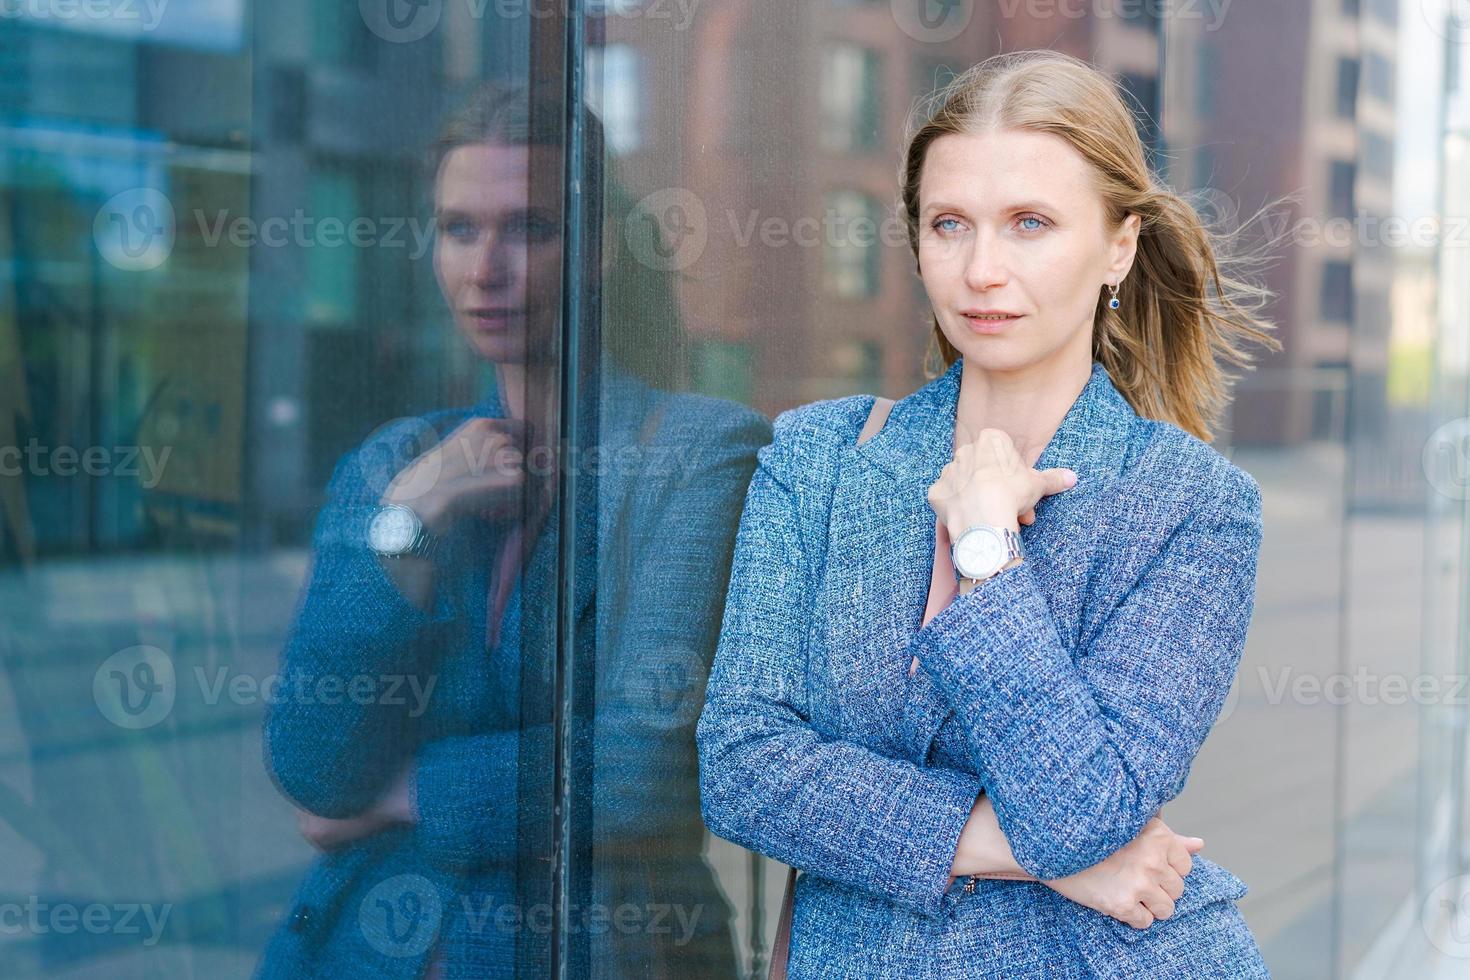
(1074, 689)
(655, 524)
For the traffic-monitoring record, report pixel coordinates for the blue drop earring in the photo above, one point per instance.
(1113, 303)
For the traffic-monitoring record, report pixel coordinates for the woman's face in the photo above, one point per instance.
(497, 254)
(1009, 221)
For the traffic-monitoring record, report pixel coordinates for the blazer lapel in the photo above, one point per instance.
(882, 541)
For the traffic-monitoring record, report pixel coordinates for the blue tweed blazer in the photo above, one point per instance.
(1074, 689)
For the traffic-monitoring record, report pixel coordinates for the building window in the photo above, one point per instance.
(851, 244)
(1145, 90)
(933, 73)
(851, 98)
(339, 37)
(332, 274)
(1347, 88)
(1378, 76)
(1341, 194)
(614, 90)
(1337, 291)
(1138, 15)
(1377, 155)
(1207, 79)
(1206, 165)
(857, 367)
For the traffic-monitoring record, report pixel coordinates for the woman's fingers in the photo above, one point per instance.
(1056, 480)
(1140, 917)
(1158, 902)
(1179, 854)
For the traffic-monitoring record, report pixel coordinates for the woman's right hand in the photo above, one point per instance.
(475, 469)
(1139, 882)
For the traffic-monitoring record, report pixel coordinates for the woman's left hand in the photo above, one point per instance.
(988, 482)
(393, 809)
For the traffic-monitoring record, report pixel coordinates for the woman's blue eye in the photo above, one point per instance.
(1040, 223)
(534, 228)
(458, 229)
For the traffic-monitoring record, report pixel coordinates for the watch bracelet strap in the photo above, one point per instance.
(425, 543)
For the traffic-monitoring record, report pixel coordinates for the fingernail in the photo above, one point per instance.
(1071, 478)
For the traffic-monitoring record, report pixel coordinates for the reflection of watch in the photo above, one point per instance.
(397, 532)
(981, 551)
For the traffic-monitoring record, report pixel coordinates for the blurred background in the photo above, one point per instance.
(191, 337)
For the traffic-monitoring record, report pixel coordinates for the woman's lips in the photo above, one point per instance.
(990, 326)
(493, 319)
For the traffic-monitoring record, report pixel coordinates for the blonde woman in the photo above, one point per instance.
(965, 661)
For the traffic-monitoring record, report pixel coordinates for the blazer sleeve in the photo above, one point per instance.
(334, 754)
(768, 780)
(1078, 756)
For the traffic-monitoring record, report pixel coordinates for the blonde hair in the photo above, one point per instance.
(1184, 302)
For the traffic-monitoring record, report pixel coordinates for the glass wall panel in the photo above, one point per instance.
(245, 301)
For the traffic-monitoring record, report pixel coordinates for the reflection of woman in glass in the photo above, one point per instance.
(917, 728)
(419, 562)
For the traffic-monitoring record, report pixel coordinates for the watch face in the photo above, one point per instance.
(978, 552)
(393, 530)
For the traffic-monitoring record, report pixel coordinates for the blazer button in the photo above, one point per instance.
(301, 918)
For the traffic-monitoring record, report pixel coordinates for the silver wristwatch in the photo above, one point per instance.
(396, 531)
(981, 551)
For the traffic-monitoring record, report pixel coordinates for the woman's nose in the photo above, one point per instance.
(986, 266)
(494, 265)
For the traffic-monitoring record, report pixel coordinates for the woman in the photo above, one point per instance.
(914, 741)
(435, 861)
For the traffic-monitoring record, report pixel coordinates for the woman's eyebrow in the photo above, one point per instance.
(1031, 204)
(1034, 204)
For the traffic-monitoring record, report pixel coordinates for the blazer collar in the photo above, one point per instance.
(918, 440)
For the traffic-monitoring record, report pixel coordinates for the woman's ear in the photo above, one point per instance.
(1125, 245)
